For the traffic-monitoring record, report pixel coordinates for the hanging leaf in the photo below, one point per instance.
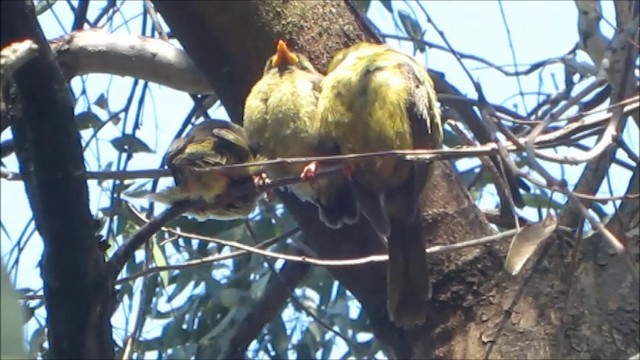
(362, 6)
(527, 241)
(413, 29)
(451, 139)
(115, 120)
(102, 102)
(43, 6)
(88, 120)
(541, 200)
(387, 5)
(160, 260)
(7, 148)
(130, 144)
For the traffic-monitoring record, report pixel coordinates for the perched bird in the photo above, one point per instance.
(279, 117)
(193, 161)
(376, 99)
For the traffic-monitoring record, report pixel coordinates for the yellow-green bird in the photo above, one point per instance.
(279, 116)
(193, 160)
(376, 99)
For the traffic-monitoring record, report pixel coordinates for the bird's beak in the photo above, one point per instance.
(284, 56)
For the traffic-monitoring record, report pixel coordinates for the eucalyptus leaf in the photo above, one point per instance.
(527, 241)
(160, 260)
(88, 120)
(44, 6)
(130, 144)
(102, 102)
(11, 320)
(362, 5)
(387, 5)
(413, 29)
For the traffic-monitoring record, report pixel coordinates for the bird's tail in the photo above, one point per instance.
(408, 276)
(170, 195)
(339, 209)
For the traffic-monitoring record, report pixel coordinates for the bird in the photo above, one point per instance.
(193, 160)
(279, 116)
(375, 98)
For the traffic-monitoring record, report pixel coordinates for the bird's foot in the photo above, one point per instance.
(347, 170)
(261, 180)
(310, 171)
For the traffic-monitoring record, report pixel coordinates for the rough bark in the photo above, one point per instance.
(78, 293)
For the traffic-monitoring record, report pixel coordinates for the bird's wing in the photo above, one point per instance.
(175, 149)
(372, 206)
(426, 133)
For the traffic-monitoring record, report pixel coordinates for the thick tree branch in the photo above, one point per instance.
(155, 60)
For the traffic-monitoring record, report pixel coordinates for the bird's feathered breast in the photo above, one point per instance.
(279, 123)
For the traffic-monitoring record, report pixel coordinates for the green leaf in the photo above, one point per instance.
(139, 193)
(36, 343)
(130, 144)
(221, 326)
(279, 338)
(7, 148)
(526, 242)
(411, 26)
(102, 102)
(230, 297)
(362, 5)
(257, 287)
(387, 5)
(209, 227)
(115, 120)
(186, 351)
(133, 266)
(305, 347)
(451, 139)
(413, 29)
(43, 6)
(160, 260)
(320, 281)
(182, 281)
(88, 120)
(264, 228)
(11, 320)
(541, 200)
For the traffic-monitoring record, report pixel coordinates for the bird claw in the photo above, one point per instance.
(261, 180)
(310, 171)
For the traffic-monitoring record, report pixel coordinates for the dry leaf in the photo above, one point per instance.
(527, 241)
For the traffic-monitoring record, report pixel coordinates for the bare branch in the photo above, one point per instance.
(97, 51)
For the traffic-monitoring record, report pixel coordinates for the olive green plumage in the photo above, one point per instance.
(279, 116)
(192, 161)
(375, 99)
